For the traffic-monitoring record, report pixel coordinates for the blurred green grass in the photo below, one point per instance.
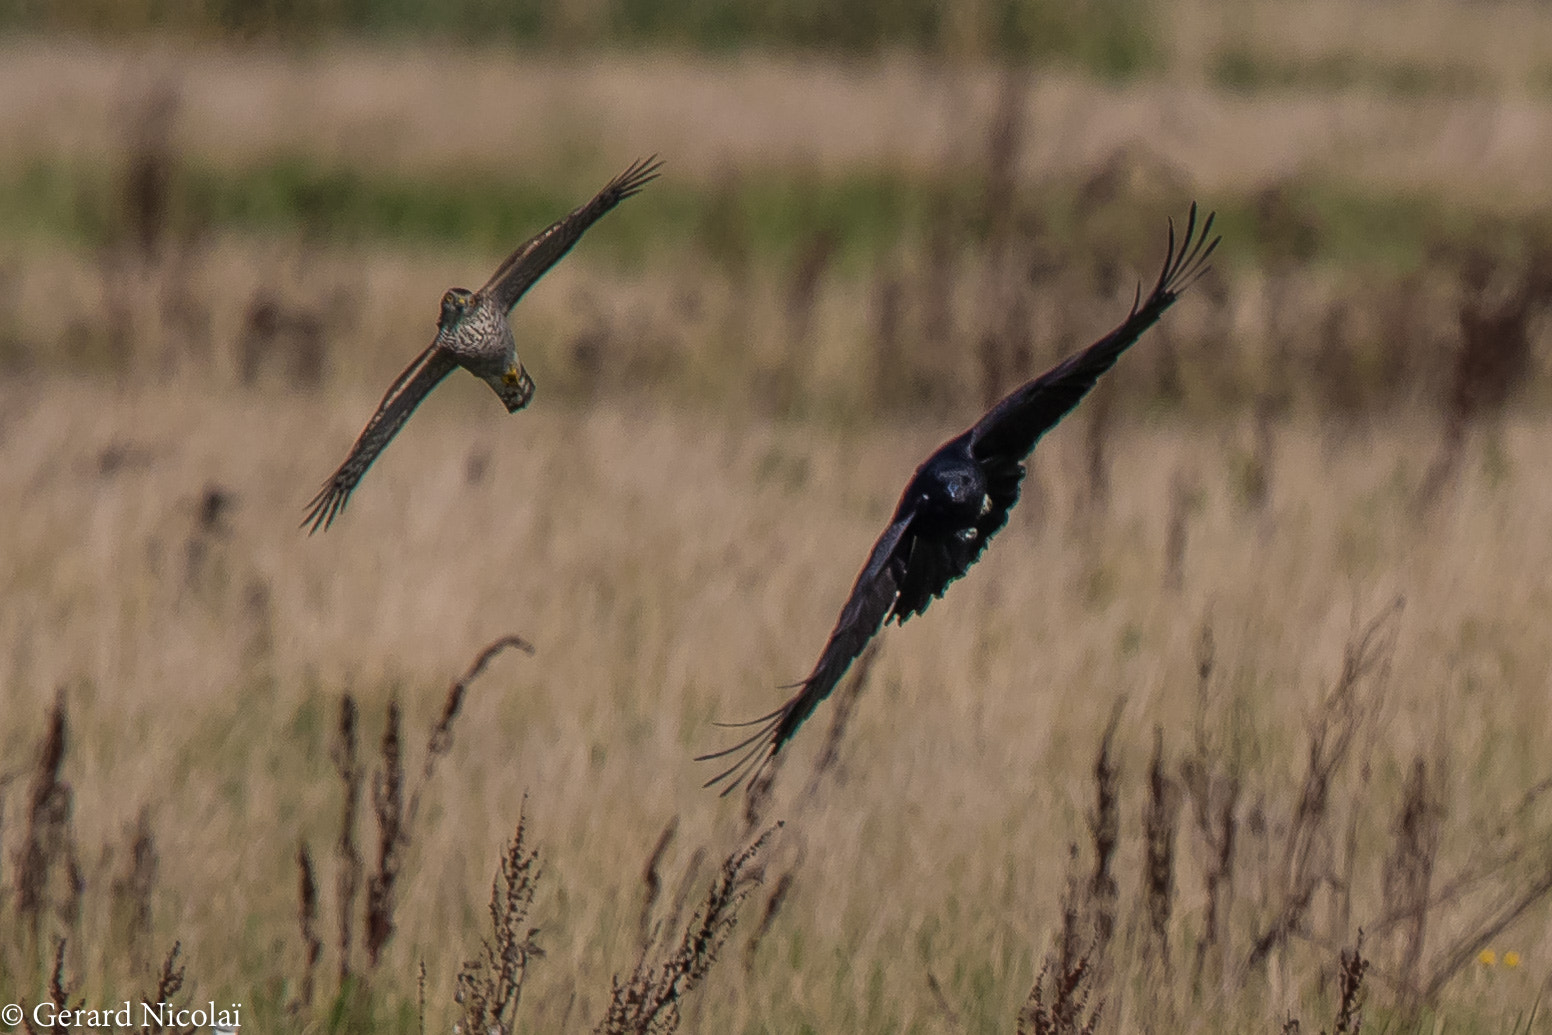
(1115, 39)
(764, 218)
(1245, 69)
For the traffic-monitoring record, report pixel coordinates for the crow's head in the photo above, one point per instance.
(954, 487)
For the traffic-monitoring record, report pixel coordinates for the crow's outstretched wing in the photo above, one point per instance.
(872, 595)
(413, 385)
(906, 571)
(1005, 436)
(1010, 429)
(533, 258)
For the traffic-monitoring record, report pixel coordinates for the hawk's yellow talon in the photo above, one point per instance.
(510, 377)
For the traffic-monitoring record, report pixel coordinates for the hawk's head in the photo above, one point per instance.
(455, 303)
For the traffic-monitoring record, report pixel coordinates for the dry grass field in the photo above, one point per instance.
(670, 571)
(1253, 686)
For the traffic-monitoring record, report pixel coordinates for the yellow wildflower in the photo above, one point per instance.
(1487, 957)
(1511, 958)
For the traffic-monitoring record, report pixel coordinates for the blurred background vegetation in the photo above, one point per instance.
(806, 230)
(225, 225)
(1113, 38)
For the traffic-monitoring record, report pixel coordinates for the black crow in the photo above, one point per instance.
(956, 502)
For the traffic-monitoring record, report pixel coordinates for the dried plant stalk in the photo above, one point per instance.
(649, 1001)
(348, 855)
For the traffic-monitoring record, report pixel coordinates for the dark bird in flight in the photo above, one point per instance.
(955, 503)
(473, 333)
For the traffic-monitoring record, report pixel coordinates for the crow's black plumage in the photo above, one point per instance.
(957, 501)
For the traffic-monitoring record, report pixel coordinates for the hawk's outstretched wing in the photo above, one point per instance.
(1011, 428)
(428, 370)
(872, 595)
(533, 258)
